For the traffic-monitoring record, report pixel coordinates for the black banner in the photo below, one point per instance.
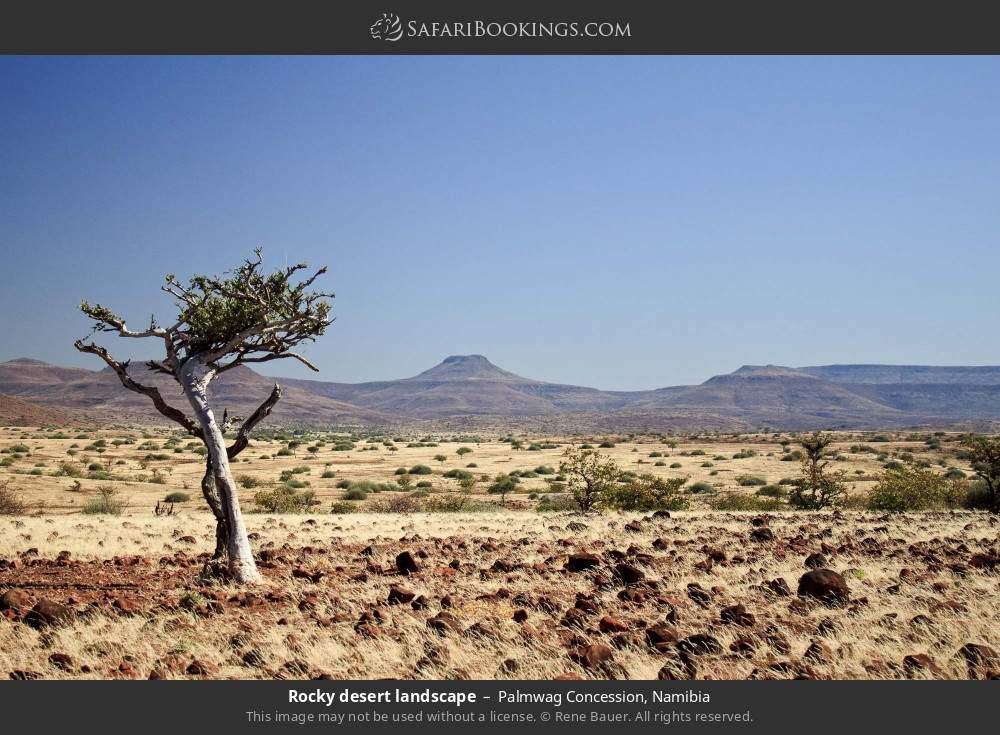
(518, 27)
(458, 706)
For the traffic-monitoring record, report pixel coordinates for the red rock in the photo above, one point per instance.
(762, 534)
(593, 656)
(980, 658)
(629, 573)
(609, 624)
(62, 661)
(825, 585)
(46, 612)
(201, 668)
(581, 561)
(400, 595)
(920, 663)
(779, 587)
(818, 652)
(699, 644)
(738, 615)
(16, 601)
(406, 564)
(443, 622)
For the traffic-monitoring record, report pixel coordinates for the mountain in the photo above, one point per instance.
(776, 397)
(468, 391)
(15, 412)
(99, 393)
(468, 385)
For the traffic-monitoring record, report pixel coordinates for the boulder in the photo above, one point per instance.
(825, 585)
(581, 561)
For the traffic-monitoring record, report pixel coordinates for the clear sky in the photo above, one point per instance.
(623, 223)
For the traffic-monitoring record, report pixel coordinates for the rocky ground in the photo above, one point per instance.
(841, 595)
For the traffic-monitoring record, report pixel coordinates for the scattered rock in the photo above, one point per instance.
(581, 561)
(406, 564)
(825, 585)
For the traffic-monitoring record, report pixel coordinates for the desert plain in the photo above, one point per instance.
(428, 578)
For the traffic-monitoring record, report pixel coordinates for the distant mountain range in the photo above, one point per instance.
(470, 391)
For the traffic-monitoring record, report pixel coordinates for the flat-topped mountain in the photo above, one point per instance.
(472, 390)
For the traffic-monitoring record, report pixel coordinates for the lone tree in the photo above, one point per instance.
(984, 456)
(245, 316)
(816, 489)
(590, 476)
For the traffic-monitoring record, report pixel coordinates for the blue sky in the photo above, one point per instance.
(617, 222)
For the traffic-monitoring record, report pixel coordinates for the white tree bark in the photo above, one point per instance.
(194, 378)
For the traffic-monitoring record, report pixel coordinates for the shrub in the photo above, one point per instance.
(742, 501)
(554, 503)
(648, 493)
(355, 493)
(772, 491)
(248, 481)
(177, 497)
(913, 488)
(107, 502)
(699, 488)
(420, 469)
(395, 503)
(750, 481)
(342, 507)
(284, 499)
(10, 500)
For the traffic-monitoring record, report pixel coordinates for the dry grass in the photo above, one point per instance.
(309, 628)
(132, 581)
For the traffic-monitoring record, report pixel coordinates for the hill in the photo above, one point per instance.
(16, 412)
(469, 391)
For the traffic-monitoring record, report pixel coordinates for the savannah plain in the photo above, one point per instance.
(388, 556)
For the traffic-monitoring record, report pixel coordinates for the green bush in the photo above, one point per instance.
(913, 488)
(742, 501)
(556, 502)
(750, 481)
(107, 502)
(420, 469)
(647, 493)
(701, 487)
(177, 497)
(355, 493)
(284, 499)
(342, 507)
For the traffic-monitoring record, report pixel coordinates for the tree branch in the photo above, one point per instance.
(121, 369)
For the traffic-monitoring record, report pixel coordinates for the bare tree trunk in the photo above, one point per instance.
(194, 378)
(215, 503)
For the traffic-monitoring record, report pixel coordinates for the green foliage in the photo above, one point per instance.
(647, 493)
(914, 488)
(285, 499)
(589, 476)
(816, 488)
(420, 469)
(502, 485)
(108, 502)
(176, 497)
(555, 503)
(743, 501)
(750, 481)
(983, 453)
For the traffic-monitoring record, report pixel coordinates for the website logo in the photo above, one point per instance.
(387, 28)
